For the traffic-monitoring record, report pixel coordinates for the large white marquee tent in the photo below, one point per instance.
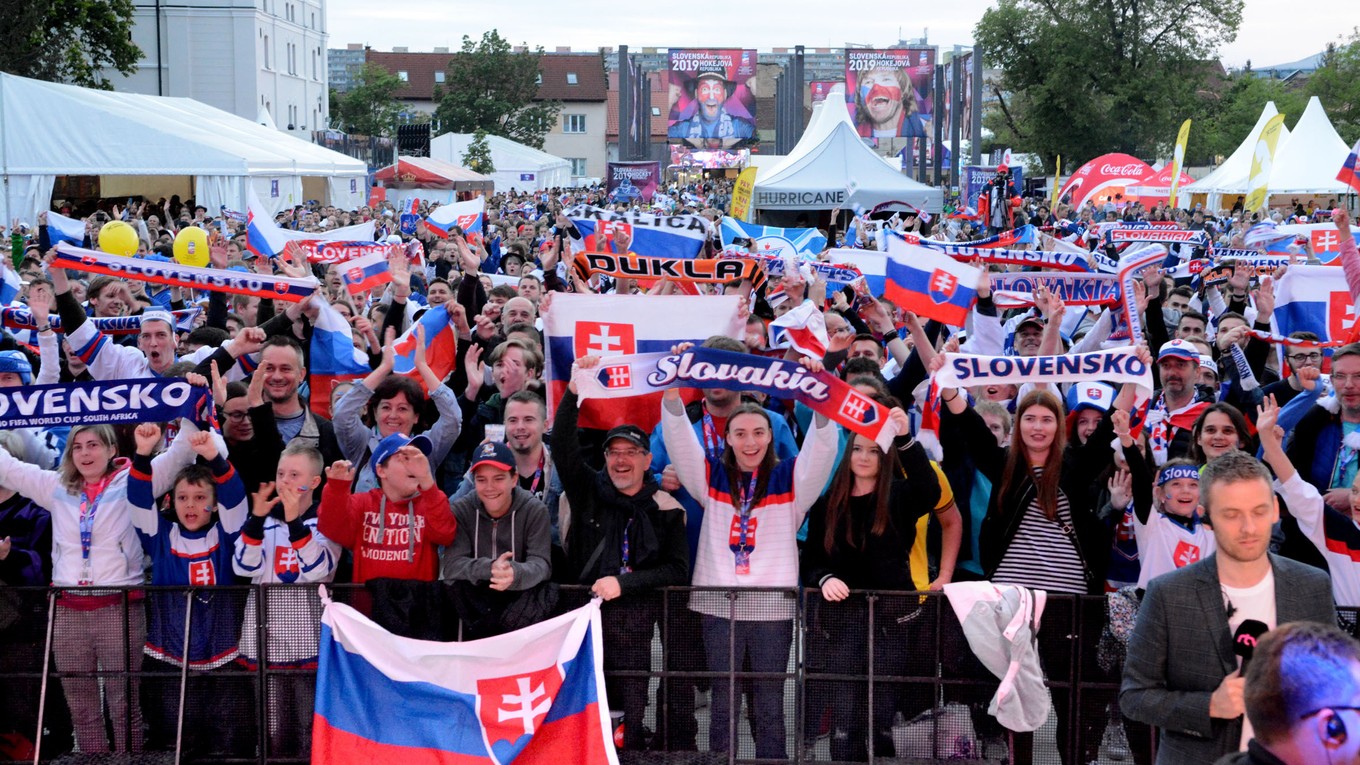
(518, 167)
(155, 146)
(1306, 162)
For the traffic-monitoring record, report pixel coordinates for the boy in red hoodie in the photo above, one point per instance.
(395, 530)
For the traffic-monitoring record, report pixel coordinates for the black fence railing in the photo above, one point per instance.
(694, 675)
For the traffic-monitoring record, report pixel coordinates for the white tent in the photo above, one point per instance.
(832, 167)
(518, 167)
(1308, 162)
(145, 145)
(1231, 176)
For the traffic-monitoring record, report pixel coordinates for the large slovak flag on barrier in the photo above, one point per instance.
(532, 697)
(620, 325)
(466, 215)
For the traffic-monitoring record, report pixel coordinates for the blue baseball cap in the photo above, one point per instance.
(493, 453)
(18, 363)
(390, 445)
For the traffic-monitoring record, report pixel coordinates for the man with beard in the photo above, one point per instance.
(1326, 442)
(626, 541)
(284, 368)
(1179, 402)
(710, 123)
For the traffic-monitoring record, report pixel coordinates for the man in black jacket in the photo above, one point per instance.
(626, 539)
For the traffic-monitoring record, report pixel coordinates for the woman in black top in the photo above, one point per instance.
(860, 535)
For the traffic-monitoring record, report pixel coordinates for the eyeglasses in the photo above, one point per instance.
(236, 416)
(843, 329)
(1301, 357)
(1344, 379)
(628, 453)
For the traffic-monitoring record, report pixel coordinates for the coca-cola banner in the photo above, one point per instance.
(631, 182)
(1105, 179)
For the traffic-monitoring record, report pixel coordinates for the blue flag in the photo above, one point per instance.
(806, 243)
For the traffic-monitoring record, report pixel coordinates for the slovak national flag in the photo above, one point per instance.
(929, 283)
(266, 239)
(620, 325)
(535, 696)
(364, 273)
(441, 345)
(1313, 299)
(334, 358)
(465, 215)
(1350, 171)
(63, 229)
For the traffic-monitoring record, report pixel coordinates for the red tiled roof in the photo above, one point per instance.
(420, 71)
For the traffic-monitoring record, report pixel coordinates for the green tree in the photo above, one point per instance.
(72, 41)
(477, 158)
(493, 88)
(371, 106)
(1337, 84)
(1223, 122)
(1084, 77)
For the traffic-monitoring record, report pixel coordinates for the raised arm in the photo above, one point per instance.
(682, 444)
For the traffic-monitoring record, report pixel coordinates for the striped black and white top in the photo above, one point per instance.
(1042, 556)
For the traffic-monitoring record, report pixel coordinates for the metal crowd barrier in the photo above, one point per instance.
(716, 676)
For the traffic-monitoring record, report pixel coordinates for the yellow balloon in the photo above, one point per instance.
(191, 246)
(118, 238)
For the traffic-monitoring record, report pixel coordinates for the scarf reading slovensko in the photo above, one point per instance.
(823, 392)
(708, 270)
(174, 274)
(1055, 261)
(1114, 366)
(104, 402)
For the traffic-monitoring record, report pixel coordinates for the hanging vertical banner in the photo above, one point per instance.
(820, 89)
(631, 182)
(1178, 161)
(712, 103)
(1261, 162)
(890, 92)
(1057, 184)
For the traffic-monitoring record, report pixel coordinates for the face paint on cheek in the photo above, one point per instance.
(878, 90)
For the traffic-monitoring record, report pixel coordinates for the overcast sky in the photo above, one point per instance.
(1271, 33)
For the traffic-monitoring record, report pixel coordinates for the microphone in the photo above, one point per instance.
(1244, 640)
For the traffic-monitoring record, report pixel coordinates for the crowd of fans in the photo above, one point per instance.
(461, 506)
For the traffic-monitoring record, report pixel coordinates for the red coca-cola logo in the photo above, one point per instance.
(1133, 168)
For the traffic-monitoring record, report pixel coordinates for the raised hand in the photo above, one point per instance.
(475, 369)
(204, 445)
(262, 501)
(219, 385)
(340, 470)
(148, 437)
(1267, 419)
(1308, 377)
(811, 364)
(1121, 489)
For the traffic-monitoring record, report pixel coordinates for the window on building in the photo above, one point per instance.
(571, 78)
(266, 52)
(538, 79)
(439, 76)
(656, 111)
(578, 166)
(403, 75)
(573, 123)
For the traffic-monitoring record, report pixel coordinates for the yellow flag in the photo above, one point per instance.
(742, 192)
(1057, 184)
(1177, 161)
(1261, 163)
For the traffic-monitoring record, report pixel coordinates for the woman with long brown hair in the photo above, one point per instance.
(860, 537)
